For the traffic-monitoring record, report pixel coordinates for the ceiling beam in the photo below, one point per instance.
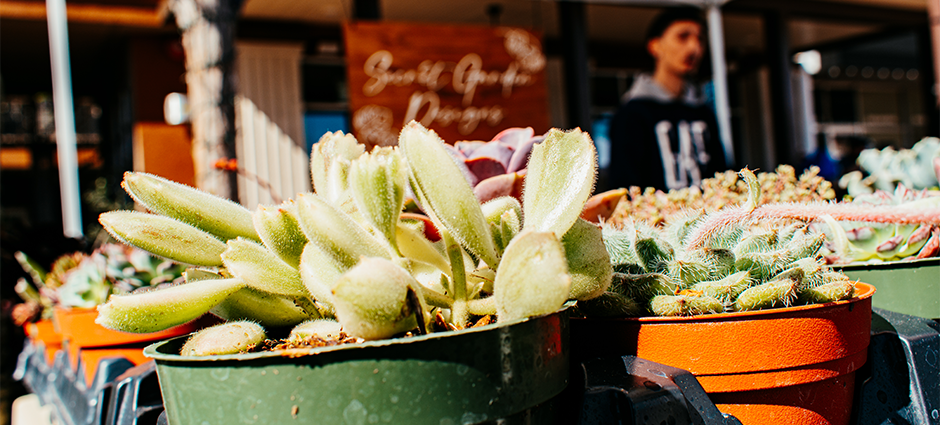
(88, 13)
(830, 11)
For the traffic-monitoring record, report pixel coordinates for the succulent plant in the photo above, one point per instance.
(740, 258)
(78, 280)
(850, 241)
(496, 168)
(656, 206)
(916, 168)
(347, 253)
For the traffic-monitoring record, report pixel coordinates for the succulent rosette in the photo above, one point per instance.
(347, 258)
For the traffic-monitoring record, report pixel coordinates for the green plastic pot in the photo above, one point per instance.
(506, 370)
(909, 287)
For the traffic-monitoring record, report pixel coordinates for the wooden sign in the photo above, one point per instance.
(464, 82)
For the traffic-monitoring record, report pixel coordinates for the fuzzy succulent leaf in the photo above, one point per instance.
(217, 216)
(280, 231)
(778, 293)
(335, 231)
(829, 292)
(372, 300)
(322, 328)
(262, 269)
(413, 244)
(444, 190)
(377, 181)
(160, 309)
(685, 305)
(225, 338)
(164, 237)
(329, 165)
(264, 308)
(726, 289)
(320, 270)
(588, 261)
(559, 180)
(533, 278)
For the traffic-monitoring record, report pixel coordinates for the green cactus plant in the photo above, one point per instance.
(741, 258)
(345, 253)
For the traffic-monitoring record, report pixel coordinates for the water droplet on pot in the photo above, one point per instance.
(355, 413)
(393, 398)
(462, 369)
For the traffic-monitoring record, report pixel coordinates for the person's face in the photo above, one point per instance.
(679, 49)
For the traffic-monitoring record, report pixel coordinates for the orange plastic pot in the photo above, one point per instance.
(77, 325)
(43, 332)
(81, 334)
(781, 366)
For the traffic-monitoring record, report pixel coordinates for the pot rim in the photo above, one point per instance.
(876, 265)
(864, 291)
(151, 350)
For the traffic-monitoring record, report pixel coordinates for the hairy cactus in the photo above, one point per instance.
(744, 257)
(346, 252)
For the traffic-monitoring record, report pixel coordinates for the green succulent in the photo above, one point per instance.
(83, 281)
(344, 252)
(741, 266)
(858, 241)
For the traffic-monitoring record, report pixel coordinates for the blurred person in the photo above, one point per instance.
(664, 134)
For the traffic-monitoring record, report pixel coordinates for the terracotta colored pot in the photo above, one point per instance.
(781, 366)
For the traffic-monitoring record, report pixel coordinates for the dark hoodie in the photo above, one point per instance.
(658, 140)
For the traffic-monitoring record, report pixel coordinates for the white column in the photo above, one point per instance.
(64, 118)
(720, 79)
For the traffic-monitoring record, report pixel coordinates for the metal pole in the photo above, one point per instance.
(720, 80)
(574, 48)
(933, 12)
(64, 118)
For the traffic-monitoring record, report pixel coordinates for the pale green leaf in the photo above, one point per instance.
(372, 300)
(559, 180)
(220, 217)
(164, 237)
(280, 231)
(263, 307)
(226, 338)
(335, 231)
(588, 261)
(445, 191)
(329, 165)
(161, 309)
(377, 182)
(533, 277)
(262, 269)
